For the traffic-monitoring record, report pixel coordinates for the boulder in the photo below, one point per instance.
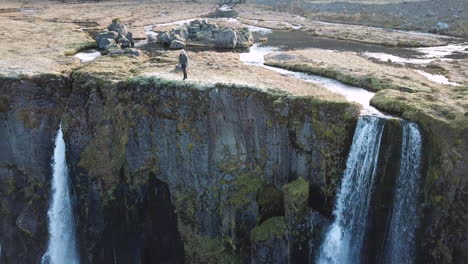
(163, 38)
(441, 27)
(124, 42)
(118, 27)
(205, 36)
(115, 52)
(105, 42)
(106, 35)
(226, 39)
(133, 52)
(178, 37)
(193, 29)
(130, 38)
(177, 44)
(182, 31)
(111, 49)
(244, 38)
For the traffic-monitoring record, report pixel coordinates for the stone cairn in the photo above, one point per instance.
(117, 40)
(206, 33)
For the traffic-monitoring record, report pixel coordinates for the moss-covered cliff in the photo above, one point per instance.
(222, 151)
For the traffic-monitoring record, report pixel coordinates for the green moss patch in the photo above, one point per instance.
(79, 47)
(296, 194)
(274, 227)
(271, 202)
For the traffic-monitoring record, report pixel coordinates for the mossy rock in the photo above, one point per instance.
(274, 227)
(296, 193)
(270, 201)
(296, 196)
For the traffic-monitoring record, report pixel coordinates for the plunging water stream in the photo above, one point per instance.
(344, 239)
(62, 247)
(400, 243)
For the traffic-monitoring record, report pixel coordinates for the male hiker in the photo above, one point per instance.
(183, 61)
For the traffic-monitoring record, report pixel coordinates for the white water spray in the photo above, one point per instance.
(344, 239)
(400, 244)
(62, 247)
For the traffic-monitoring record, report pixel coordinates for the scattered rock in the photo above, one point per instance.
(116, 39)
(130, 38)
(206, 33)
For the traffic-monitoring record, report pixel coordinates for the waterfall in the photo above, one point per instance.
(61, 248)
(400, 243)
(344, 239)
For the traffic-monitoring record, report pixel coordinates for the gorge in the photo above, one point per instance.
(299, 149)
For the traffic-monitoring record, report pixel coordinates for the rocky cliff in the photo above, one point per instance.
(30, 112)
(162, 169)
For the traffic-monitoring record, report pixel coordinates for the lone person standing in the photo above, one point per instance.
(183, 61)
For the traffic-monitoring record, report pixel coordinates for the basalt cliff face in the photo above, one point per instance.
(164, 171)
(30, 111)
(218, 156)
(171, 172)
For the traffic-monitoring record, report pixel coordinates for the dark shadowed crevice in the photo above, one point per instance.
(142, 227)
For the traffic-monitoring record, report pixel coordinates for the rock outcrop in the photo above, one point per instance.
(117, 40)
(202, 32)
(270, 242)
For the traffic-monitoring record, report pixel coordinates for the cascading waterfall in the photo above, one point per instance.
(344, 239)
(61, 248)
(400, 243)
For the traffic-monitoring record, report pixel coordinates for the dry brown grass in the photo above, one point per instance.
(36, 42)
(395, 83)
(206, 68)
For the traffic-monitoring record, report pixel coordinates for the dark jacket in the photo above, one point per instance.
(183, 59)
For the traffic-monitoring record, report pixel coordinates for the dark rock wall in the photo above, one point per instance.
(384, 192)
(214, 147)
(169, 172)
(30, 111)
